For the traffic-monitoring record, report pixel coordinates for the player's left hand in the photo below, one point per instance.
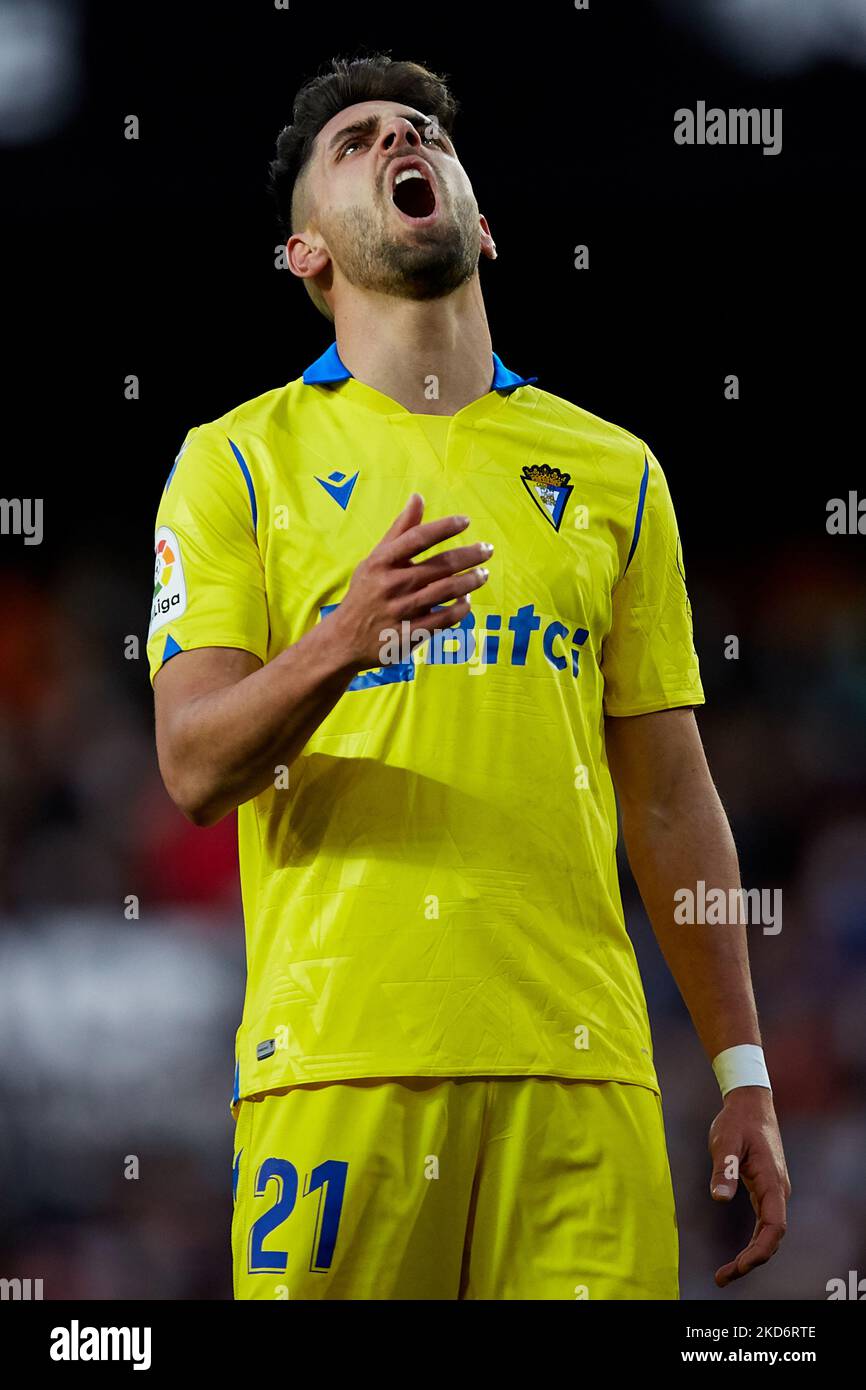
(745, 1139)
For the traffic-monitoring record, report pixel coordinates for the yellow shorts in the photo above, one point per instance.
(519, 1187)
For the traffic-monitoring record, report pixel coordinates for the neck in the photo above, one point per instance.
(433, 357)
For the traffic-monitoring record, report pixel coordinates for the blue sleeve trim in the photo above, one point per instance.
(171, 649)
(250, 489)
(641, 501)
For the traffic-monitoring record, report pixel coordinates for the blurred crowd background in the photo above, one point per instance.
(121, 938)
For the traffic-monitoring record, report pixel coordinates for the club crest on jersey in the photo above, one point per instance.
(549, 489)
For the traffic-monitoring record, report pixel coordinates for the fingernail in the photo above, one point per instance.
(462, 521)
(487, 547)
(483, 572)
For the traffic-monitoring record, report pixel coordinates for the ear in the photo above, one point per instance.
(307, 255)
(488, 245)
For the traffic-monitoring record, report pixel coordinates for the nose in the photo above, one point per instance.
(398, 131)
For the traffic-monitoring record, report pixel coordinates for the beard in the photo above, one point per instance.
(426, 264)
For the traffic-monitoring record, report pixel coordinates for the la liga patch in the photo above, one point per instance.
(169, 584)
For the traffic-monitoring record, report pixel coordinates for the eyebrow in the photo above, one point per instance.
(368, 125)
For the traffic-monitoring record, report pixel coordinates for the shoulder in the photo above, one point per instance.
(620, 454)
(235, 447)
(255, 417)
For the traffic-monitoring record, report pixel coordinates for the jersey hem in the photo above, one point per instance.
(443, 1073)
(223, 643)
(678, 701)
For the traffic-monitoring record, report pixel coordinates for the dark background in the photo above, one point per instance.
(155, 257)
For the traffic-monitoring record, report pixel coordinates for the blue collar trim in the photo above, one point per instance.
(329, 368)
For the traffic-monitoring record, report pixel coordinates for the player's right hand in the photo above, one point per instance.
(391, 588)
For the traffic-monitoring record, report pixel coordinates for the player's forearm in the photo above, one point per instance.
(226, 746)
(674, 847)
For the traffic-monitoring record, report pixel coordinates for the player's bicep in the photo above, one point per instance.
(178, 689)
(652, 756)
(200, 672)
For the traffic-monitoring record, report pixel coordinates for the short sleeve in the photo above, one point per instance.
(209, 582)
(648, 659)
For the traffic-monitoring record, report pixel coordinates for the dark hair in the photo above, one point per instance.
(376, 77)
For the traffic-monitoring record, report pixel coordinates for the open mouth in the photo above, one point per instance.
(413, 194)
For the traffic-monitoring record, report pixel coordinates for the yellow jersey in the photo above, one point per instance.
(432, 890)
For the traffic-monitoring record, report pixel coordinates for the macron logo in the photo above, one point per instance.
(75, 1343)
(339, 487)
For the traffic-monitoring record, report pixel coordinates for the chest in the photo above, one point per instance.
(554, 524)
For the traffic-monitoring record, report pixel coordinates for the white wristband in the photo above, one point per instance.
(741, 1066)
